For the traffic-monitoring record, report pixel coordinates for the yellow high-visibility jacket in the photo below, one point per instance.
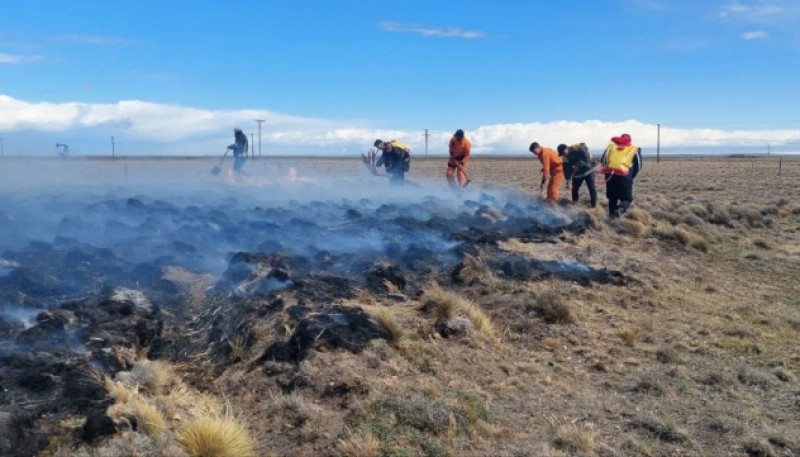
(619, 160)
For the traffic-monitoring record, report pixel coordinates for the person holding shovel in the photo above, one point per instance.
(578, 169)
(460, 150)
(552, 170)
(239, 148)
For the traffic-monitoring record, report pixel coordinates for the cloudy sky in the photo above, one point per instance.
(328, 77)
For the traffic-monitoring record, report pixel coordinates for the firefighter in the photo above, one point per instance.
(460, 150)
(578, 169)
(239, 147)
(396, 157)
(620, 164)
(552, 170)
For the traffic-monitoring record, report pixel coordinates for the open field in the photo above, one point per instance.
(695, 353)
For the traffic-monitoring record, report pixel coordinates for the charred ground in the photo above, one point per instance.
(482, 324)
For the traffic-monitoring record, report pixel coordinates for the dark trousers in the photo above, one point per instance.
(576, 185)
(619, 190)
(238, 163)
(397, 178)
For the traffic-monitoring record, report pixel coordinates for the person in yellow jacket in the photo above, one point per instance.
(621, 162)
(396, 157)
(460, 151)
(552, 170)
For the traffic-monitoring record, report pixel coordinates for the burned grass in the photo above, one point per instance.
(694, 354)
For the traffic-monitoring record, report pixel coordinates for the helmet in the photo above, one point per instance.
(562, 148)
(459, 133)
(378, 143)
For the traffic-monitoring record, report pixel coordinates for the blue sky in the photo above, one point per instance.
(177, 76)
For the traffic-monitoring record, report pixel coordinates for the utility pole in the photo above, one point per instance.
(658, 144)
(113, 147)
(252, 146)
(259, 135)
(426, 135)
(2, 153)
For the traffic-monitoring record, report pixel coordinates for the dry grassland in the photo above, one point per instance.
(698, 356)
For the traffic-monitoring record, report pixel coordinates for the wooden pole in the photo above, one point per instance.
(658, 144)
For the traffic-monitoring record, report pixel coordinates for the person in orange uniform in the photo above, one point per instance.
(460, 149)
(552, 170)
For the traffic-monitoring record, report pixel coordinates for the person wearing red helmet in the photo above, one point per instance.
(621, 162)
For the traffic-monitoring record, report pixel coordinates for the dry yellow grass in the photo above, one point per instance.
(575, 438)
(447, 304)
(386, 316)
(216, 436)
(153, 375)
(473, 271)
(358, 445)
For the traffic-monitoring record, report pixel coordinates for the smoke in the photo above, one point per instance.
(22, 315)
(72, 227)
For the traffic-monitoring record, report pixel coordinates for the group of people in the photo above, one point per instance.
(620, 163)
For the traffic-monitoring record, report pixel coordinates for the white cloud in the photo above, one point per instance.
(440, 32)
(753, 10)
(91, 39)
(171, 127)
(754, 35)
(17, 58)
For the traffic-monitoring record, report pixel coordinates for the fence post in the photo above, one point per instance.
(780, 164)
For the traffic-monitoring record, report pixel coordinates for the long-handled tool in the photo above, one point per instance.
(461, 168)
(217, 168)
(369, 160)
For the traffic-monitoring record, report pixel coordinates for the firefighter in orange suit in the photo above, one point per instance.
(552, 170)
(460, 149)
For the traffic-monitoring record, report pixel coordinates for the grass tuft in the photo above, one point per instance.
(359, 445)
(550, 305)
(387, 319)
(575, 438)
(446, 305)
(216, 436)
(148, 417)
(473, 271)
(758, 447)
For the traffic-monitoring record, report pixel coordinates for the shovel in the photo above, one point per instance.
(460, 167)
(217, 169)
